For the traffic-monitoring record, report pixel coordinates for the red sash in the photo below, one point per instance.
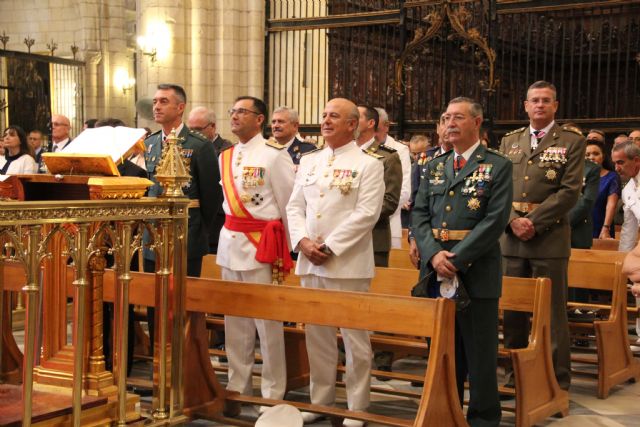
(268, 237)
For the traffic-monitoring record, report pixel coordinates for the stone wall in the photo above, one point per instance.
(214, 48)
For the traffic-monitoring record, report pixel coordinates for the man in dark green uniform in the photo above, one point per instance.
(548, 167)
(203, 190)
(581, 217)
(460, 212)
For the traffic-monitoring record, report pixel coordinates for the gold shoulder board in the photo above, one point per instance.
(515, 131)
(273, 143)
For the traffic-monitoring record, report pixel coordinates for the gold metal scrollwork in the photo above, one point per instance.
(434, 21)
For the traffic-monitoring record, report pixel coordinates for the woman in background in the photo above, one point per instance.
(18, 154)
(608, 194)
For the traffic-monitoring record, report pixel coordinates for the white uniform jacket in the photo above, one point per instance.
(342, 216)
(631, 209)
(405, 191)
(266, 199)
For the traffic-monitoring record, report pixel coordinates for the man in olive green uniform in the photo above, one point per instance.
(367, 128)
(461, 210)
(548, 166)
(581, 216)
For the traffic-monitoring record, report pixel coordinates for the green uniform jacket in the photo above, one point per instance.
(555, 185)
(392, 184)
(447, 202)
(200, 158)
(581, 216)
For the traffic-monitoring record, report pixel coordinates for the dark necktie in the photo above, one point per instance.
(539, 134)
(458, 163)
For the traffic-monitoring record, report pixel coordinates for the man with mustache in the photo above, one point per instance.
(462, 206)
(548, 167)
(284, 126)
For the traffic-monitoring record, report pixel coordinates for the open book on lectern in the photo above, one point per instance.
(96, 151)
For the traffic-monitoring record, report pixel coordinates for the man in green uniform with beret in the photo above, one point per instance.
(460, 212)
(548, 167)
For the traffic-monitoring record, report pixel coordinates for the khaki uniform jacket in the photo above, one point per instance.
(393, 184)
(553, 184)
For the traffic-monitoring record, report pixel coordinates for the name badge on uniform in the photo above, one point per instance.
(252, 176)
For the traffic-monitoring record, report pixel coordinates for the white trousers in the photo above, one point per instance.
(240, 343)
(322, 347)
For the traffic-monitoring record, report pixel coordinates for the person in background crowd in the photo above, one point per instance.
(36, 139)
(634, 136)
(89, 124)
(604, 208)
(60, 129)
(18, 157)
(284, 126)
(620, 139)
(203, 120)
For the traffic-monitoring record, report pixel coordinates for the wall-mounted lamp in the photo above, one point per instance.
(146, 45)
(122, 81)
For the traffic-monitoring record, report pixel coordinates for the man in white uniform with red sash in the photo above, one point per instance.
(335, 203)
(257, 179)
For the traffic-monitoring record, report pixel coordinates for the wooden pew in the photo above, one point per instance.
(399, 258)
(602, 270)
(537, 393)
(391, 314)
(605, 244)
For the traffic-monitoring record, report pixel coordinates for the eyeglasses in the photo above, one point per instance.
(58, 124)
(241, 111)
(197, 129)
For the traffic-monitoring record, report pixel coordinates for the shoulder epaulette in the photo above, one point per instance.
(309, 152)
(443, 154)
(515, 131)
(372, 154)
(273, 143)
(154, 133)
(499, 153)
(387, 148)
(198, 135)
(572, 129)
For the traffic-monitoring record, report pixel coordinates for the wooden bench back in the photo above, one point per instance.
(606, 244)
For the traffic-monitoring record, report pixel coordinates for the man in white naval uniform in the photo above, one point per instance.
(383, 136)
(257, 179)
(335, 203)
(626, 157)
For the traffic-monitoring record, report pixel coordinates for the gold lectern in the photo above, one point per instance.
(73, 220)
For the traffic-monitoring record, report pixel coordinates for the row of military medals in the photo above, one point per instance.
(252, 177)
(342, 178)
(553, 157)
(474, 185)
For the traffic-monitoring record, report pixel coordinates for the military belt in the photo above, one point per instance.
(524, 207)
(444, 234)
(193, 203)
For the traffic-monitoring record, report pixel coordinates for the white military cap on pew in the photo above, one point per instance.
(280, 416)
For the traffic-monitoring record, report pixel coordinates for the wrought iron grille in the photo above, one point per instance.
(33, 86)
(411, 57)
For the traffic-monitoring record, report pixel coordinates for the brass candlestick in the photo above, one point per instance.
(171, 172)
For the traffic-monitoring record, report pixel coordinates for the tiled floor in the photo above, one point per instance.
(621, 408)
